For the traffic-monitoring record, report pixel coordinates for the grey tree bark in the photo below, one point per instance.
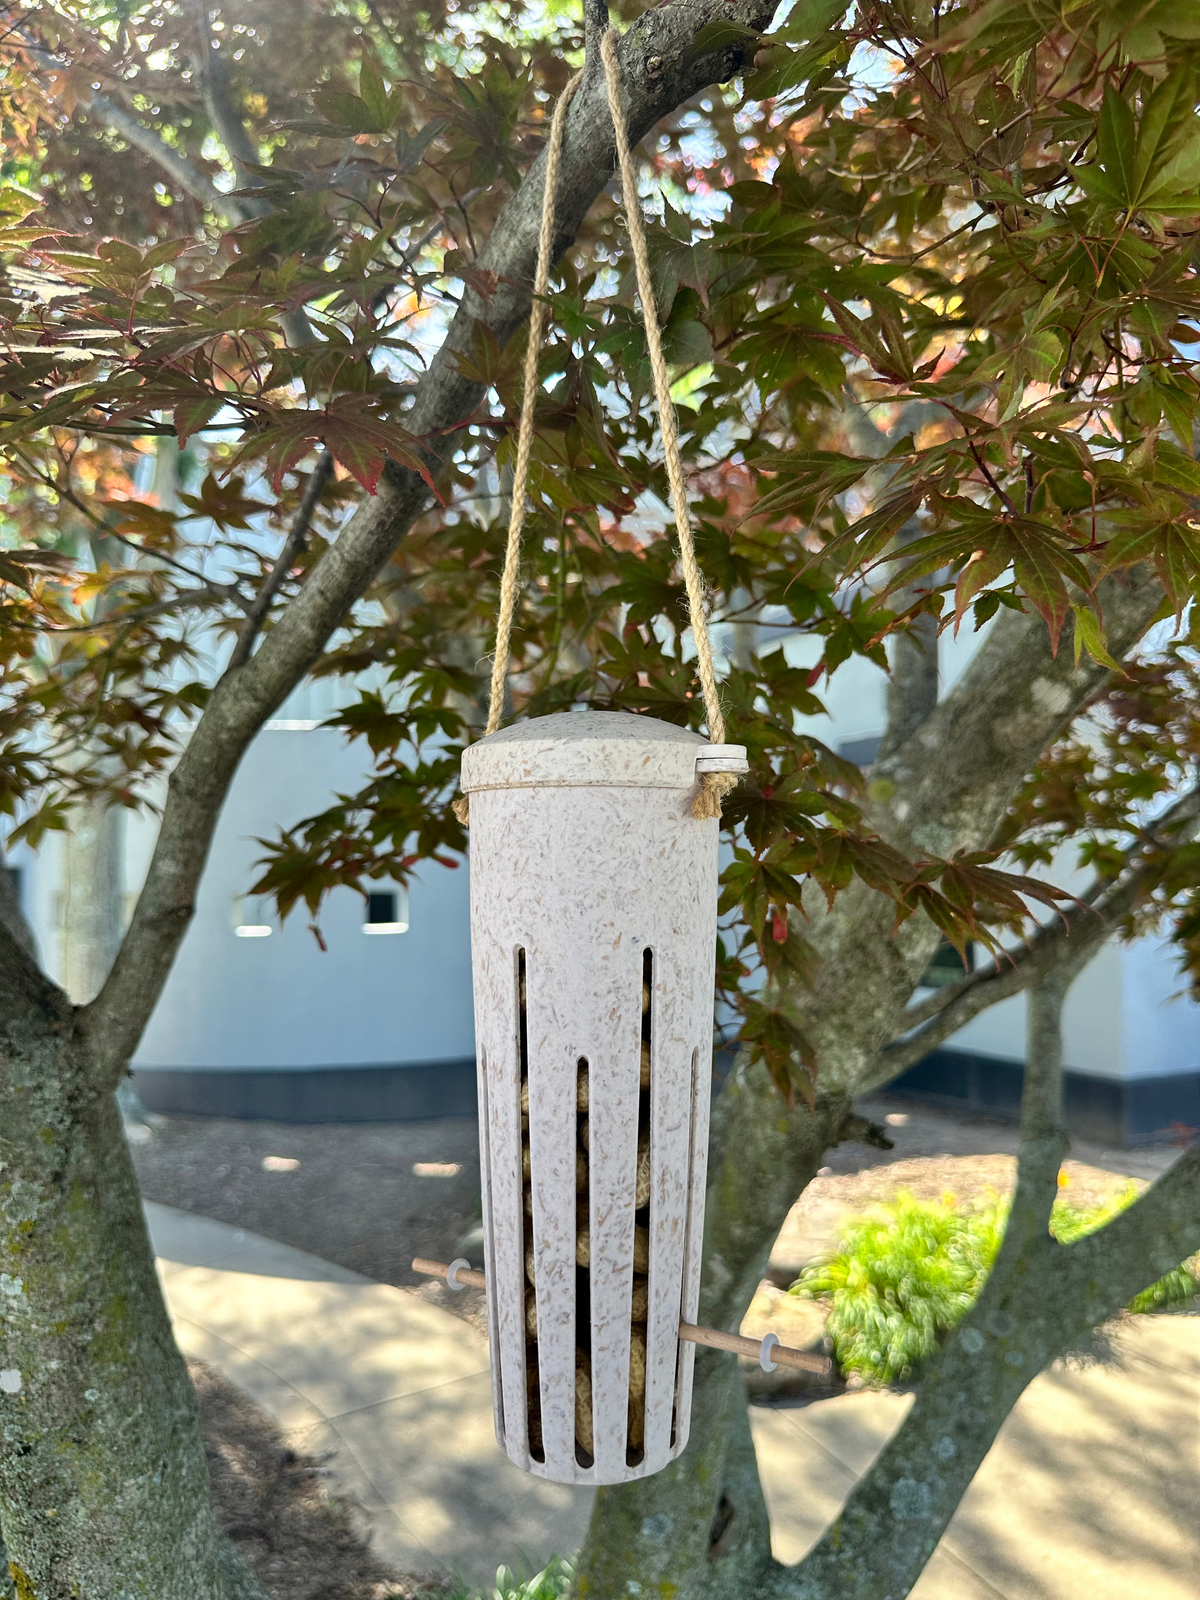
(103, 1481)
(92, 901)
(103, 1491)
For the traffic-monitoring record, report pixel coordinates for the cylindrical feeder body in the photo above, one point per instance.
(593, 938)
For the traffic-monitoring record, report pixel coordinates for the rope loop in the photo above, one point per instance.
(533, 347)
(713, 785)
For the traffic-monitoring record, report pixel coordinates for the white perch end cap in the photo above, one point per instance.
(722, 758)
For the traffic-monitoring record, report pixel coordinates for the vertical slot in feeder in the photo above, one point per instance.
(533, 1387)
(687, 1311)
(584, 1428)
(640, 1301)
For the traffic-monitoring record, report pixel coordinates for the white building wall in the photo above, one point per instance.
(281, 1002)
(1160, 1024)
(1093, 1022)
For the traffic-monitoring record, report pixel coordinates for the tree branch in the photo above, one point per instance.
(946, 790)
(1043, 1139)
(1104, 1270)
(213, 81)
(1040, 1300)
(660, 69)
(189, 178)
(1081, 932)
(292, 546)
(948, 785)
(1071, 941)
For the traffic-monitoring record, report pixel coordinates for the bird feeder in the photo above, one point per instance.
(593, 938)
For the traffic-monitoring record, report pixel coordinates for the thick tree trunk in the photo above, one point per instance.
(103, 1480)
(890, 1527)
(891, 1524)
(945, 789)
(1040, 1300)
(671, 1533)
(658, 1531)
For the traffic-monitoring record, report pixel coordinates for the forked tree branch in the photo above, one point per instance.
(660, 68)
(947, 787)
(1067, 943)
(189, 178)
(1040, 1300)
(213, 80)
(946, 790)
(286, 560)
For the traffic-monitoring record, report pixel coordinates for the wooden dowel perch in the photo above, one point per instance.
(464, 1277)
(781, 1354)
(759, 1349)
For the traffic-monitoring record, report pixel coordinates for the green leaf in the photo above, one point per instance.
(1044, 352)
(195, 413)
(1178, 19)
(1168, 125)
(411, 148)
(1175, 468)
(1037, 566)
(808, 19)
(373, 93)
(1117, 141)
(982, 568)
(344, 111)
(1089, 636)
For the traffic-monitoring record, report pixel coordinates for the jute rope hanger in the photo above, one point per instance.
(713, 785)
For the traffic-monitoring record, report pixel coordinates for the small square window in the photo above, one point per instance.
(381, 905)
(387, 911)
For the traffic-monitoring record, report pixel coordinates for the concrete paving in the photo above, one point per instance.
(1091, 1492)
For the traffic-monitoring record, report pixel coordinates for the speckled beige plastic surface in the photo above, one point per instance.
(584, 856)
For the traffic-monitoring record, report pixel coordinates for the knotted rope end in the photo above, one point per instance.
(714, 786)
(462, 809)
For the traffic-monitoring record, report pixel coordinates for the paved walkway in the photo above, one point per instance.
(1092, 1491)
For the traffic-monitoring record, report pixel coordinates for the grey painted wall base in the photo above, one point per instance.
(409, 1093)
(1111, 1111)
(413, 1092)
(1115, 1111)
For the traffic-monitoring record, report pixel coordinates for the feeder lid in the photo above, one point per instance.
(605, 749)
